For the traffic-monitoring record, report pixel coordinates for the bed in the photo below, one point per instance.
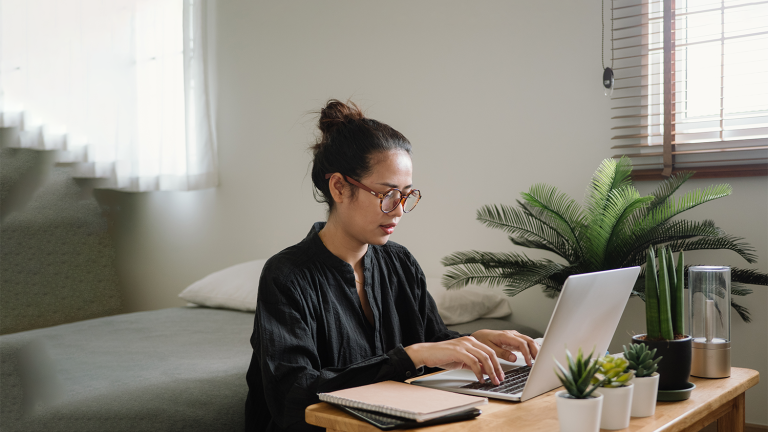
(170, 369)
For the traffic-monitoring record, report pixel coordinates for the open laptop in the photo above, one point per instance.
(585, 316)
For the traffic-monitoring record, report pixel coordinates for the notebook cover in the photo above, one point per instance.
(403, 400)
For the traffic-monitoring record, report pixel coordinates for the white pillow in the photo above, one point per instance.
(234, 287)
(458, 306)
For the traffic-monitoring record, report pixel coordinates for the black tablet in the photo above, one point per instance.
(388, 422)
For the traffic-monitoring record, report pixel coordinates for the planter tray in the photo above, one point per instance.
(676, 395)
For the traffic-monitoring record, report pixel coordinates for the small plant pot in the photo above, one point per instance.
(675, 368)
(644, 395)
(617, 407)
(579, 415)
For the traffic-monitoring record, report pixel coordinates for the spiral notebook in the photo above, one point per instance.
(403, 400)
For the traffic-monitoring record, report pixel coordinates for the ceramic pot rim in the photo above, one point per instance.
(685, 339)
(596, 392)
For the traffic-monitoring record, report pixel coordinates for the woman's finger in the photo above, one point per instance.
(533, 347)
(517, 342)
(471, 362)
(486, 363)
(492, 354)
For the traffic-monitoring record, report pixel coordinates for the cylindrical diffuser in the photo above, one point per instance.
(709, 291)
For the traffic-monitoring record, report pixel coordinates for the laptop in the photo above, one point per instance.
(586, 315)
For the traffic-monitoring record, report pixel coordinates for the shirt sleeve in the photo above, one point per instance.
(290, 367)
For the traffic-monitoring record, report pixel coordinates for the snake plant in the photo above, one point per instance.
(613, 229)
(664, 296)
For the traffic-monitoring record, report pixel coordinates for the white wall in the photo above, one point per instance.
(494, 95)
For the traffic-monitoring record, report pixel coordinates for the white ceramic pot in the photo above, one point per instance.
(579, 415)
(644, 395)
(616, 407)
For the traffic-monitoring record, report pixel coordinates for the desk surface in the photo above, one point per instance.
(712, 399)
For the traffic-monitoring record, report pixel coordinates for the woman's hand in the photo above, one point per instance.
(462, 353)
(503, 342)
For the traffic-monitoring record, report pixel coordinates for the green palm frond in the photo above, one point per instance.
(559, 204)
(571, 250)
(534, 275)
(602, 233)
(668, 209)
(742, 311)
(728, 242)
(473, 274)
(633, 252)
(533, 243)
(666, 189)
(481, 268)
(525, 230)
(552, 284)
(748, 276)
(492, 259)
(610, 175)
(564, 213)
(740, 290)
(550, 291)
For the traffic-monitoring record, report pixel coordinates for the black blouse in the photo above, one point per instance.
(311, 335)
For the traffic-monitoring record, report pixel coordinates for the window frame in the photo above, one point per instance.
(649, 120)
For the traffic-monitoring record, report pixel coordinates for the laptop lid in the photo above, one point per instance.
(586, 315)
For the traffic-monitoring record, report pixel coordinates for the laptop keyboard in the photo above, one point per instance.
(514, 381)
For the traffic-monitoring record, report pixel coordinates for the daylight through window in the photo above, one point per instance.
(691, 86)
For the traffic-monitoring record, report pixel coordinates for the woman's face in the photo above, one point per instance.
(362, 217)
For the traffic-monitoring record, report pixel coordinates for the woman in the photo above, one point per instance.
(346, 307)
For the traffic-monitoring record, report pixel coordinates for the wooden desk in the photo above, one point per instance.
(713, 399)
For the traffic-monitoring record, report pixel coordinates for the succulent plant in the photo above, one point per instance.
(641, 360)
(577, 379)
(664, 296)
(614, 372)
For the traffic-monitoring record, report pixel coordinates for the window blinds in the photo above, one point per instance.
(691, 89)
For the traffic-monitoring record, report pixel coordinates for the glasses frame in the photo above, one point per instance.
(381, 196)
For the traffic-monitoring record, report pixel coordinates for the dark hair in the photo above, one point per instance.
(348, 144)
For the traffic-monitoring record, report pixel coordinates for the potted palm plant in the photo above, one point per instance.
(612, 230)
(578, 406)
(614, 380)
(644, 362)
(664, 320)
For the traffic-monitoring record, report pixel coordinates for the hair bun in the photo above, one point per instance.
(336, 113)
(347, 143)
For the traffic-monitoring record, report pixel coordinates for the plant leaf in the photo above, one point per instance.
(748, 276)
(524, 229)
(633, 252)
(667, 188)
(564, 213)
(722, 242)
(667, 210)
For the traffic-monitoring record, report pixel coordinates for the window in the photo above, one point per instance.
(118, 88)
(691, 88)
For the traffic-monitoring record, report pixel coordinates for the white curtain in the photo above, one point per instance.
(118, 87)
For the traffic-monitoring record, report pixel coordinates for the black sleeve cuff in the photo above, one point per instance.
(403, 365)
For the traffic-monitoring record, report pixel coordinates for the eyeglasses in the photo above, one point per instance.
(390, 199)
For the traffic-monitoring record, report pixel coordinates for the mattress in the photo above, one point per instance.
(170, 369)
(177, 369)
